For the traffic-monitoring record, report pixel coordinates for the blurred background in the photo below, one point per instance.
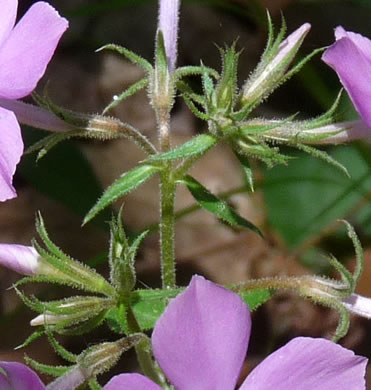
(297, 206)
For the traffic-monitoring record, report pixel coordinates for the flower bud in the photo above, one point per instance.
(168, 23)
(102, 357)
(340, 132)
(71, 311)
(269, 73)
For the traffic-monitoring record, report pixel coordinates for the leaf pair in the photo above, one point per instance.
(134, 178)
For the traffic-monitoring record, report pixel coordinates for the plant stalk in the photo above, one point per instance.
(142, 350)
(167, 203)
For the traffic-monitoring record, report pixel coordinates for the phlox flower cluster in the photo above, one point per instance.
(201, 340)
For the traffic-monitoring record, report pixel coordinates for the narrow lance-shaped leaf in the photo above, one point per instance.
(126, 183)
(216, 206)
(197, 145)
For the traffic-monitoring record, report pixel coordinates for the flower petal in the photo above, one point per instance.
(8, 15)
(306, 364)
(11, 149)
(71, 380)
(342, 132)
(28, 50)
(201, 339)
(35, 116)
(168, 23)
(268, 75)
(363, 43)
(358, 304)
(354, 70)
(131, 382)
(19, 258)
(19, 377)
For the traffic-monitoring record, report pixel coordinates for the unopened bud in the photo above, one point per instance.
(73, 311)
(340, 132)
(102, 357)
(168, 23)
(268, 74)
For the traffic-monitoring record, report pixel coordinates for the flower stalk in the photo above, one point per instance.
(162, 92)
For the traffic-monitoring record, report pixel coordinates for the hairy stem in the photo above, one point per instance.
(167, 204)
(142, 350)
(167, 228)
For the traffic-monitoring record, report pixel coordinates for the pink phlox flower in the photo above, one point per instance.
(201, 341)
(350, 57)
(25, 50)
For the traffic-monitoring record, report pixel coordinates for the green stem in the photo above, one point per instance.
(167, 204)
(195, 207)
(167, 228)
(142, 350)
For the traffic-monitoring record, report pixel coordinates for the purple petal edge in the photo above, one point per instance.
(306, 364)
(353, 66)
(28, 49)
(131, 382)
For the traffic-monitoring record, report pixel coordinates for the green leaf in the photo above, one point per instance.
(255, 298)
(197, 145)
(306, 196)
(216, 206)
(126, 183)
(147, 305)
